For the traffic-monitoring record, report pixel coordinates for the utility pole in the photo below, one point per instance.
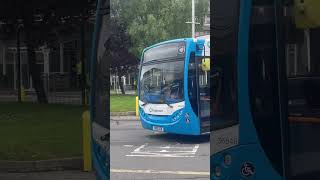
(193, 20)
(82, 61)
(19, 62)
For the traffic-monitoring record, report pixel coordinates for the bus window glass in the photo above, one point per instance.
(161, 81)
(204, 88)
(263, 77)
(192, 83)
(304, 105)
(223, 72)
(204, 97)
(101, 107)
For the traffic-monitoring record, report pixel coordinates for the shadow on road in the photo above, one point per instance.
(183, 139)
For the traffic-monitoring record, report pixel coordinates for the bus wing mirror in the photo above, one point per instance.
(205, 64)
(307, 14)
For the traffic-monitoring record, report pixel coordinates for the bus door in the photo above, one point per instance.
(204, 95)
(203, 76)
(284, 85)
(302, 63)
(99, 98)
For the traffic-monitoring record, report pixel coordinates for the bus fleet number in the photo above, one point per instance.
(228, 140)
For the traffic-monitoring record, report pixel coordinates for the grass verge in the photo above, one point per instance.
(122, 103)
(40, 131)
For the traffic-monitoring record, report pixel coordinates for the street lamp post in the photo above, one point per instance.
(193, 21)
(19, 61)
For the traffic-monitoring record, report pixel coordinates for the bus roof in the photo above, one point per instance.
(169, 41)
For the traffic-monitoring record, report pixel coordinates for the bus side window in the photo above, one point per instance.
(192, 83)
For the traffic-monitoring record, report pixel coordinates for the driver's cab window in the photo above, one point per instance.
(192, 83)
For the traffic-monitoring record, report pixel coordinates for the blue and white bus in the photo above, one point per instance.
(174, 86)
(266, 115)
(99, 93)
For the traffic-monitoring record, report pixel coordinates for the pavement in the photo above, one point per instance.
(129, 113)
(51, 175)
(141, 154)
(124, 118)
(73, 163)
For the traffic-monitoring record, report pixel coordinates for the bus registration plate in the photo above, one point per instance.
(157, 128)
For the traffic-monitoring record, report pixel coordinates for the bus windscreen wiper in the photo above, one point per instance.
(166, 102)
(145, 103)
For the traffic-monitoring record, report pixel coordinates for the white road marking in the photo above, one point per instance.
(139, 148)
(172, 147)
(128, 145)
(160, 172)
(164, 151)
(156, 155)
(196, 147)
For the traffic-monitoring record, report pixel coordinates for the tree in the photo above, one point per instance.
(151, 21)
(119, 43)
(137, 24)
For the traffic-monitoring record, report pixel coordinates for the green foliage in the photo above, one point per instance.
(151, 21)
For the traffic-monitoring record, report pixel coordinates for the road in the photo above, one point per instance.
(54, 175)
(142, 154)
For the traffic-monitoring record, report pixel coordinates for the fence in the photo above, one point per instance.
(129, 82)
(60, 88)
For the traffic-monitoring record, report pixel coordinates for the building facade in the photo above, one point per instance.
(58, 66)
